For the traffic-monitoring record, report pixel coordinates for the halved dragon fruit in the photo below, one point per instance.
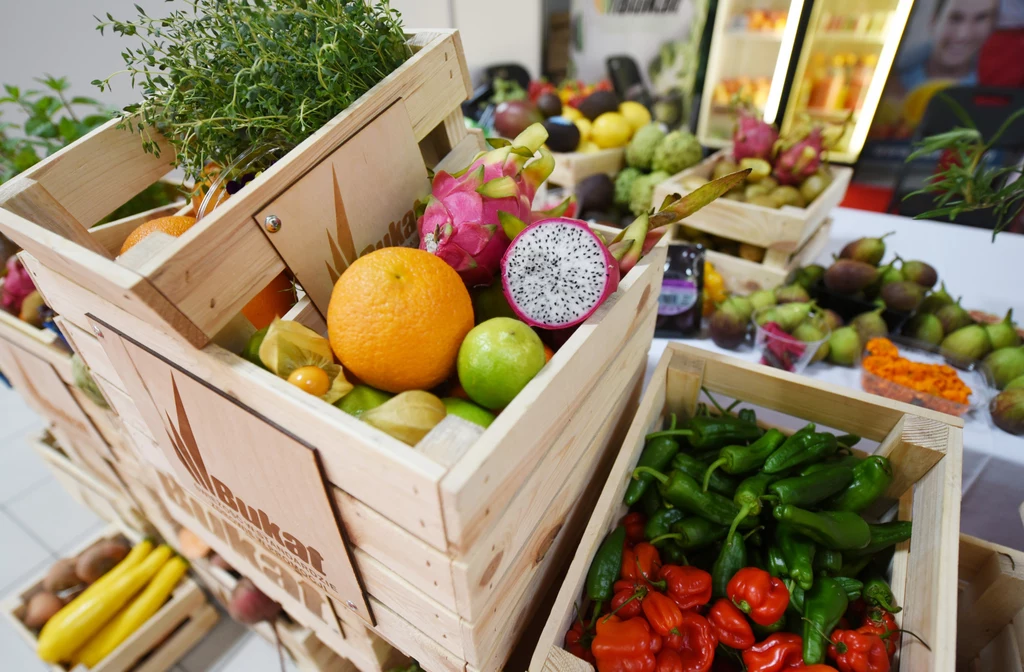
(557, 272)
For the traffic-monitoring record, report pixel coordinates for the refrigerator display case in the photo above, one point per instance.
(752, 46)
(847, 52)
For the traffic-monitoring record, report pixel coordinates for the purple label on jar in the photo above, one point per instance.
(677, 296)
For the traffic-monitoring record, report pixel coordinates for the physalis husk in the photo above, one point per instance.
(289, 345)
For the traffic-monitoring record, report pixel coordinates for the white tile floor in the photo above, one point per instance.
(39, 521)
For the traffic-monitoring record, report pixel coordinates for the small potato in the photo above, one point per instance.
(99, 559)
(40, 608)
(62, 576)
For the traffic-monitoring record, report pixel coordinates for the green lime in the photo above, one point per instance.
(467, 410)
(497, 359)
(490, 302)
(252, 348)
(362, 398)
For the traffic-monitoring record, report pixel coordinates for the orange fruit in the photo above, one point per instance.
(175, 225)
(311, 379)
(210, 173)
(397, 317)
(274, 300)
(548, 353)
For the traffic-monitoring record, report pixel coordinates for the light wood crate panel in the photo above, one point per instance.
(111, 505)
(573, 167)
(743, 276)
(43, 343)
(926, 450)
(785, 228)
(156, 646)
(990, 607)
(196, 284)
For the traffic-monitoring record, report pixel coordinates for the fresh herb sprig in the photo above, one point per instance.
(222, 76)
(966, 183)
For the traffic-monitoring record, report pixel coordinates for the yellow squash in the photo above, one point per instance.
(134, 557)
(134, 615)
(84, 617)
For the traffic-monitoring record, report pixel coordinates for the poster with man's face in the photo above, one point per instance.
(947, 43)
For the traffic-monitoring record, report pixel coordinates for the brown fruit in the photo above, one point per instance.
(40, 608)
(920, 272)
(217, 560)
(903, 296)
(848, 276)
(1008, 411)
(250, 605)
(99, 559)
(61, 576)
(868, 250)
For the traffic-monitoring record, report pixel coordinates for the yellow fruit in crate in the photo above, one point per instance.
(588, 147)
(585, 127)
(397, 317)
(610, 130)
(571, 113)
(636, 114)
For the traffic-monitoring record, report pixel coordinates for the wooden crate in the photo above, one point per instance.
(990, 607)
(786, 228)
(572, 167)
(156, 646)
(357, 178)
(743, 276)
(113, 506)
(926, 450)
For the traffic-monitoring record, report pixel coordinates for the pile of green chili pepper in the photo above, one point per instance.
(721, 494)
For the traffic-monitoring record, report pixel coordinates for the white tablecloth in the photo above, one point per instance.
(990, 277)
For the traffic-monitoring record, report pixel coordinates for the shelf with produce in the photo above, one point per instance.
(924, 450)
(766, 36)
(845, 37)
(180, 615)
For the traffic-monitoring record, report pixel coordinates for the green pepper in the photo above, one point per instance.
(747, 415)
(797, 595)
(650, 502)
(871, 478)
(661, 522)
(848, 440)
(827, 562)
(882, 536)
(813, 488)
(657, 454)
(776, 562)
(801, 448)
(824, 605)
(798, 553)
(672, 553)
(681, 491)
(748, 497)
(709, 433)
(850, 461)
(743, 459)
(605, 568)
(731, 559)
(696, 532)
(695, 469)
(854, 566)
(838, 530)
(877, 593)
(853, 587)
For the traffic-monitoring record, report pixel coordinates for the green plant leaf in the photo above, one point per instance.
(42, 128)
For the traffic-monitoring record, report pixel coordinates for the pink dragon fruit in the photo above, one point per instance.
(471, 216)
(799, 158)
(17, 285)
(753, 138)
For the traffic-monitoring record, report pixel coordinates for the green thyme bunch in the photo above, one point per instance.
(222, 76)
(965, 182)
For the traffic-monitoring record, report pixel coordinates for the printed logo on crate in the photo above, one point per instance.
(263, 481)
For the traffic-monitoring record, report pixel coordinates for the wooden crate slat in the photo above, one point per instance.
(573, 167)
(991, 606)
(181, 642)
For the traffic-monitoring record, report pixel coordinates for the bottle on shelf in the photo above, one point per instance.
(860, 79)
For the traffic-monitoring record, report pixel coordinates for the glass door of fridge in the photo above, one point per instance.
(846, 57)
(751, 48)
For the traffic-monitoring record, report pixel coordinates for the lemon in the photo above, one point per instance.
(635, 113)
(588, 147)
(611, 129)
(585, 127)
(571, 113)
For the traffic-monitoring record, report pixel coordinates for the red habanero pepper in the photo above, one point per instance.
(759, 594)
(882, 623)
(816, 668)
(662, 613)
(699, 642)
(641, 561)
(780, 651)
(624, 646)
(673, 641)
(669, 661)
(577, 642)
(858, 651)
(634, 524)
(730, 625)
(688, 586)
(627, 595)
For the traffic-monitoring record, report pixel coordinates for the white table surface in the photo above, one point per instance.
(990, 277)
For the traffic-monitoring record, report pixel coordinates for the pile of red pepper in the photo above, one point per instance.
(774, 570)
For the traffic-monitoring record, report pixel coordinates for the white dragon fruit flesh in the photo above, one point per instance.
(753, 138)
(557, 272)
(462, 222)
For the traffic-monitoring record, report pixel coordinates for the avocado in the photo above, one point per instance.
(563, 135)
(599, 102)
(550, 105)
(595, 193)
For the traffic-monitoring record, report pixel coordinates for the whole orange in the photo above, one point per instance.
(397, 317)
(274, 300)
(174, 225)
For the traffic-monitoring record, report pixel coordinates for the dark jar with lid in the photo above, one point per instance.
(681, 303)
